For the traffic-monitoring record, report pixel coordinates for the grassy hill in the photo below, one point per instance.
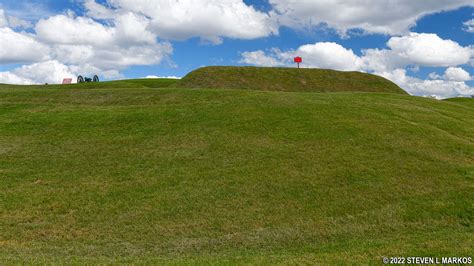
(287, 79)
(462, 100)
(126, 83)
(138, 174)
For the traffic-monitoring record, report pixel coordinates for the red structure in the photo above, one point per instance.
(67, 81)
(298, 60)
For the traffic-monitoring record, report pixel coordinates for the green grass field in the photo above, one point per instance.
(286, 79)
(138, 171)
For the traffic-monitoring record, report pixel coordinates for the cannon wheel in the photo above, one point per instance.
(80, 79)
(96, 78)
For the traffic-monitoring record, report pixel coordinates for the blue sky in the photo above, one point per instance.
(280, 33)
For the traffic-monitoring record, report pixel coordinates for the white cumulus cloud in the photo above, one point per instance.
(414, 49)
(98, 11)
(62, 29)
(327, 55)
(3, 19)
(373, 16)
(45, 72)
(434, 75)
(20, 47)
(161, 77)
(437, 88)
(131, 28)
(322, 55)
(418, 50)
(469, 25)
(259, 58)
(208, 19)
(456, 74)
(83, 41)
(13, 22)
(82, 44)
(429, 50)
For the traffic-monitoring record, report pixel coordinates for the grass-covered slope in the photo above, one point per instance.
(219, 176)
(462, 100)
(286, 79)
(125, 83)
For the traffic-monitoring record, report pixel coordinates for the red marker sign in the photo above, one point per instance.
(298, 60)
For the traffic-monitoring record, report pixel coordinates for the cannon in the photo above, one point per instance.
(81, 79)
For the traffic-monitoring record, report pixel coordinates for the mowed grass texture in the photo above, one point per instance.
(287, 79)
(174, 175)
(126, 83)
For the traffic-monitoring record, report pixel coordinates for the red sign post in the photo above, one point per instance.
(298, 60)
